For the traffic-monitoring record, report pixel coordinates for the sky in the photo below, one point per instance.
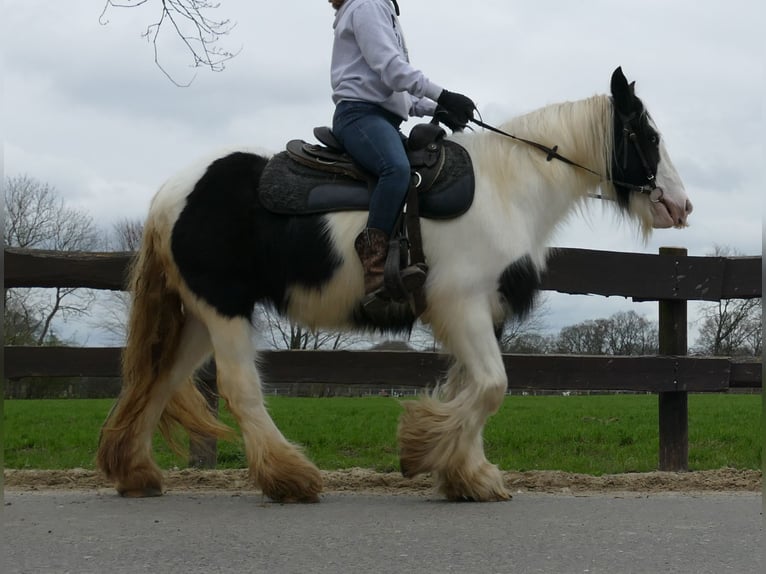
(86, 109)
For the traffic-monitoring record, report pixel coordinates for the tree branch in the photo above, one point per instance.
(197, 32)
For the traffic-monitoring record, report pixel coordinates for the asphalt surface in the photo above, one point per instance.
(90, 532)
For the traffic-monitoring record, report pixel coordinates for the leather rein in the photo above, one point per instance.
(629, 136)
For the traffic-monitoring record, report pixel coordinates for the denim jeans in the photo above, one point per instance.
(371, 136)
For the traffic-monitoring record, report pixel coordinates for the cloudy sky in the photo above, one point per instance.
(87, 110)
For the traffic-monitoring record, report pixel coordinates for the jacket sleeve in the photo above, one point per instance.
(422, 107)
(378, 42)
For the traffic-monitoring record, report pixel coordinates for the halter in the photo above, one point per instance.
(628, 136)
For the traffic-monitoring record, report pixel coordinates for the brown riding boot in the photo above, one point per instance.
(372, 247)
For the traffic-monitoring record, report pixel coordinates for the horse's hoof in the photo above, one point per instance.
(308, 499)
(300, 482)
(481, 484)
(140, 492)
(283, 498)
(404, 468)
(498, 496)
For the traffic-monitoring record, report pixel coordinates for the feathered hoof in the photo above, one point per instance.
(426, 437)
(301, 490)
(142, 485)
(290, 478)
(143, 482)
(139, 492)
(482, 484)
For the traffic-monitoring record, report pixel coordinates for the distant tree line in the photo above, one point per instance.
(36, 216)
(624, 333)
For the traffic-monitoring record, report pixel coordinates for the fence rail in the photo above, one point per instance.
(672, 278)
(644, 277)
(655, 374)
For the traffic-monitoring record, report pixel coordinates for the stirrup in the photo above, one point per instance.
(413, 277)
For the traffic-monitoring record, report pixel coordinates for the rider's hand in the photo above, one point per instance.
(443, 116)
(459, 106)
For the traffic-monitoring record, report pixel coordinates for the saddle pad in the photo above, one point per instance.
(289, 188)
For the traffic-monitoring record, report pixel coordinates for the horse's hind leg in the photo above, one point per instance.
(125, 445)
(445, 436)
(278, 467)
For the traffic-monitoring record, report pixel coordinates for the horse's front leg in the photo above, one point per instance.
(442, 433)
(277, 466)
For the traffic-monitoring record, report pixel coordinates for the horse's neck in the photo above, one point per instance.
(520, 182)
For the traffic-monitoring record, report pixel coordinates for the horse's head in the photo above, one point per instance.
(646, 182)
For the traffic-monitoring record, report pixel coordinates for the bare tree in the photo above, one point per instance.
(189, 21)
(522, 333)
(624, 333)
(586, 338)
(20, 327)
(126, 235)
(631, 334)
(279, 333)
(732, 327)
(531, 344)
(112, 313)
(36, 217)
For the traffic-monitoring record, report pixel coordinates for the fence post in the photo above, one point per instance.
(203, 450)
(673, 406)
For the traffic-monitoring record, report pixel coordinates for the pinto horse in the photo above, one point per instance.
(211, 252)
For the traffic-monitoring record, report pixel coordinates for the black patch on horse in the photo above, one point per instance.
(233, 253)
(519, 284)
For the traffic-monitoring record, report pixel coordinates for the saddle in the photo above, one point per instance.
(313, 179)
(308, 178)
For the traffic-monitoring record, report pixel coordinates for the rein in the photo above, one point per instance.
(629, 135)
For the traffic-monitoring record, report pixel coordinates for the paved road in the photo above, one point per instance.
(82, 533)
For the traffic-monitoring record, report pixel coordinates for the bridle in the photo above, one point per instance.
(629, 136)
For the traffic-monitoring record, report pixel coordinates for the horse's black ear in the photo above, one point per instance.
(622, 92)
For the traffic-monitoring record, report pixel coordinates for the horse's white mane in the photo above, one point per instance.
(582, 130)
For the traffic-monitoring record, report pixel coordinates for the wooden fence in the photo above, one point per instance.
(671, 278)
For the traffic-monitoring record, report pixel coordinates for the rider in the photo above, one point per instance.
(375, 89)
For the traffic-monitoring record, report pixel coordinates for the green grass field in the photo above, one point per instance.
(585, 434)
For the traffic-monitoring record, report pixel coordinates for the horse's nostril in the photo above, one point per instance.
(689, 207)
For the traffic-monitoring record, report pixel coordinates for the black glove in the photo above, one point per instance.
(447, 118)
(459, 106)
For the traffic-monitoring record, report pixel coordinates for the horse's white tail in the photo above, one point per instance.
(155, 328)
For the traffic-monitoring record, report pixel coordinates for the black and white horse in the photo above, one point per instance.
(211, 252)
